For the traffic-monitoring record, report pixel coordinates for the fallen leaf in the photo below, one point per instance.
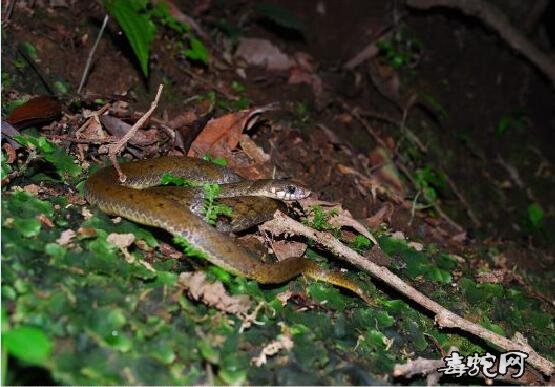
(298, 75)
(386, 172)
(221, 135)
(495, 276)
(65, 237)
(86, 232)
(283, 341)
(36, 110)
(252, 150)
(384, 213)
(213, 293)
(121, 240)
(288, 249)
(262, 53)
(416, 245)
(398, 235)
(32, 189)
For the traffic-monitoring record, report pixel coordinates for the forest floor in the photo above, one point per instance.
(440, 143)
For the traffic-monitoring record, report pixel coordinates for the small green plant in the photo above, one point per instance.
(211, 210)
(320, 218)
(136, 23)
(361, 243)
(435, 105)
(514, 121)
(230, 105)
(188, 248)
(428, 181)
(535, 215)
(218, 160)
(41, 148)
(401, 50)
(170, 179)
(136, 19)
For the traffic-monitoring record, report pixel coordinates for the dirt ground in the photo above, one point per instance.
(484, 118)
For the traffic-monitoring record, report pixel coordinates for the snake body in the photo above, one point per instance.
(139, 200)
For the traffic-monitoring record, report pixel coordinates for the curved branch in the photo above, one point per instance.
(443, 317)
(497, 21)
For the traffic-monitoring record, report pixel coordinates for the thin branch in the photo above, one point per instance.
(443, 317)
(497, 21)
(117, 147)
(91, 54)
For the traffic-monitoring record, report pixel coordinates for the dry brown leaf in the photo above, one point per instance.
(386, 172)
(45, 220)
(65, 237)
(495, 276)
(35, 110)
(32, 189)
(221, 135)
(86, 232)
(121, 240)
(252, 150)
(298, 75)
(283, 341)
(288, 249)
(119, 128)
(262, 53)
(213, 294)
(384, 213)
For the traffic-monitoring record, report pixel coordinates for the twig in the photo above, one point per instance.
(496, 20)
(91, 54)
(76, 140)
(37, 69)
(443, 317)
(403, 125)
(463, 200)
(117, 147)
(402, 167)
(8, 11)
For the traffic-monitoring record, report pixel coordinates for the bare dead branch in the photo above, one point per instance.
(443, 317)
(117, 147)
(497, 21)
(91, 54)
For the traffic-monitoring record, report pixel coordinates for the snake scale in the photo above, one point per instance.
(139, 200)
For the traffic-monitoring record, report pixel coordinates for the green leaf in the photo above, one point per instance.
(197, 51)
(169, 179)
(136, 25)
(28, 344)
(438, 275)
(30, 50)
(535, 214)
(28, 227)
(63, 163)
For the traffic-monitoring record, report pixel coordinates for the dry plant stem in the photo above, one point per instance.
(496, 20)
(117, 147)
(463, 200)
(443, 317)
(398, 163)
(91, 54)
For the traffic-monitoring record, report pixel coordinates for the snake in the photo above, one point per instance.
(141, 199)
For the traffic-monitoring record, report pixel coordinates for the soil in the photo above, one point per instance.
(475, 77)
(467, 69)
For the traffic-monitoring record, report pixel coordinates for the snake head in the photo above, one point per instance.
(286, 190)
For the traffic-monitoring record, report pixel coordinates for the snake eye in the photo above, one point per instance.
(291, 189)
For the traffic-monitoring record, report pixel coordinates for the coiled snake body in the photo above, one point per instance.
(139, 200)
